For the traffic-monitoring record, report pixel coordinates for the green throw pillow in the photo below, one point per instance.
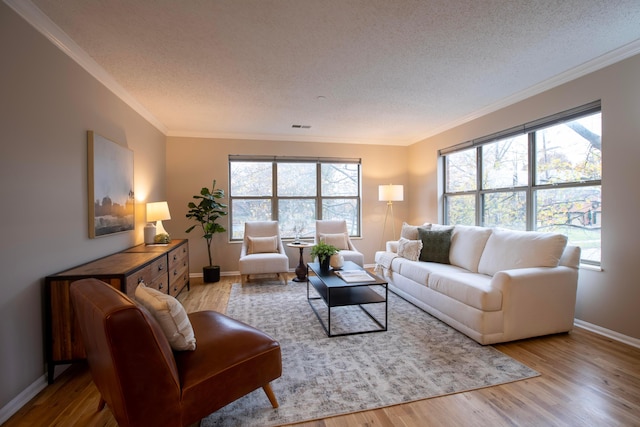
(435, 245)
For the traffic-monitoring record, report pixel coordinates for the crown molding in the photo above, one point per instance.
(287, 137)
(41, 22)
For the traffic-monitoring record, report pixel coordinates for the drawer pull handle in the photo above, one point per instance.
(160, 267)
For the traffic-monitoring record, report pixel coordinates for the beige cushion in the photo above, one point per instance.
(261, 245)
(171, 316)
(339, 240)
(508, 249)
(467, 244)
(409, 249)
(411, 231)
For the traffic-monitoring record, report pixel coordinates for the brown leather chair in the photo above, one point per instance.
(145, 383)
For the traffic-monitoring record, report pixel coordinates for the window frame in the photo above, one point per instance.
(274, 199)
(531, 188)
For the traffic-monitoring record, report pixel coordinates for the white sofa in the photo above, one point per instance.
(498, 286)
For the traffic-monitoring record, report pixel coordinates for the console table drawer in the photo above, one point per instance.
(143, 275)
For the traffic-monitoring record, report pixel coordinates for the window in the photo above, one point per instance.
(293, 191)
(545, 175)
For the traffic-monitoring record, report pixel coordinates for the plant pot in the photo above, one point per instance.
(325, 264)
(211, 274)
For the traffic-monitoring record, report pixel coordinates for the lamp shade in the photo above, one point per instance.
(157, 211)
(390, 193)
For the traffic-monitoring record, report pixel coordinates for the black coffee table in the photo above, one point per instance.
(335, 292)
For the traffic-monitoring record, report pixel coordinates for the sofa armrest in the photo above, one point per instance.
(392, 246)
(537, 301)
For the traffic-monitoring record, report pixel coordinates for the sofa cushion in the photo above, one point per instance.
(508, 249)
(409, 249)
(414, 270)
(419, 271)
(435, 245)
(467, 244)
(411, 231)
(472, 289)
(171, 316)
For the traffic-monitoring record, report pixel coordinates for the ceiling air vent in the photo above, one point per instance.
(301, 126)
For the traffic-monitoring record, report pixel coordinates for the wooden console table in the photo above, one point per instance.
(164, 267)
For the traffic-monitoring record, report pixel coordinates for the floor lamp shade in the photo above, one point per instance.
(390, 193)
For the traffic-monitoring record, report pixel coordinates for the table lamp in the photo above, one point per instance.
(156, 212)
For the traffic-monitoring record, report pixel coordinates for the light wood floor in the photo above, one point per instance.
(586, 380)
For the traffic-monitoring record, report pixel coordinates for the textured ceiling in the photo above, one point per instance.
(367, 71)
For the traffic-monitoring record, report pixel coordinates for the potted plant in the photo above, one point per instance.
(323, 252)
(206, 213)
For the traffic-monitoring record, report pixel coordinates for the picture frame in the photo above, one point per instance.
(110, 182)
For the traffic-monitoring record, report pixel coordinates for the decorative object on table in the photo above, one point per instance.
(336, 261)
(390, 193)
(156, 213)
(323, 252)
(206, 213)
(110, 176)
(297, 231)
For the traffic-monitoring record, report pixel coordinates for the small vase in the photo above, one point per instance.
(336, 261)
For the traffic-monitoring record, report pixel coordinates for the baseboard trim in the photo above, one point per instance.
(22, 399)
(616, 336)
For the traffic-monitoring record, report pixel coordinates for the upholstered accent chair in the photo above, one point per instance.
(334, 232)
(262, 251)
(146, 383)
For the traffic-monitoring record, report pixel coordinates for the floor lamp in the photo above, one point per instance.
(390, 193)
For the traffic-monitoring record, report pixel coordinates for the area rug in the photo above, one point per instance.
(418, 357)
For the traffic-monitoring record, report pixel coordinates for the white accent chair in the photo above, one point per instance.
(334, 232)
(262, 251)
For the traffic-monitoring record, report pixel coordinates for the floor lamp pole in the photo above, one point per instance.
(393, 223)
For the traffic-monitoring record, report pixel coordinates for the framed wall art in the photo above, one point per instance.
(111, 198)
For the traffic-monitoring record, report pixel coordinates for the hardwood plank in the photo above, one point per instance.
(586, 379)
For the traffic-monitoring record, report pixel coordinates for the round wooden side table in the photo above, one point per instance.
(301, 269)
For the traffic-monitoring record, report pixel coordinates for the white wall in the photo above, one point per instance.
(47, 104)
(607, 298)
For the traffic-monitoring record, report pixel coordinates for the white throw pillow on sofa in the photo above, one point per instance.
(409, 249)
(467, 245)
(508, 249)
(410, 232)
